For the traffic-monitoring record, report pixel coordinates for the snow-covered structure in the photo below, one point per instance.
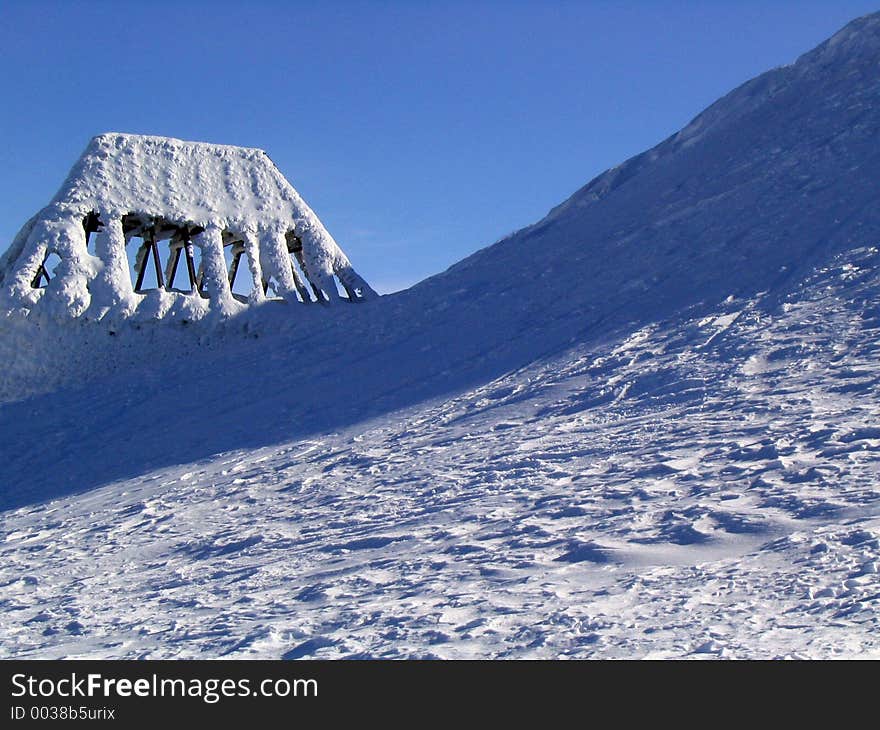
(132, 201)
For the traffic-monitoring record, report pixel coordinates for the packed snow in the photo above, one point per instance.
(643, 427)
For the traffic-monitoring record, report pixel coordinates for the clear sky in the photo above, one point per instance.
(418, 131)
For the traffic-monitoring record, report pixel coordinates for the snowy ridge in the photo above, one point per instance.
(853, 47)
(643, 427)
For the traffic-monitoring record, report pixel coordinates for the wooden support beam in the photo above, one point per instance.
(41, 273)
(294, 242)
(233, 269)
(132, 225)
(302, 265)
(300, 287)
(141, 257)
(150, 235)
(172, 269)
(92, 224)
(191, 266)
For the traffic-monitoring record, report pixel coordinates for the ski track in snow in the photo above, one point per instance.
(705, 487)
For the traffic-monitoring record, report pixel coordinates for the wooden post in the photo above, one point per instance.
(92, 224)
(141, 256)
(41, 272)
(250, 248)
(190, 265)
(233, 269)
(151, 232)
(172, 267)
(215, 277)
(294, 249)
(302, 265)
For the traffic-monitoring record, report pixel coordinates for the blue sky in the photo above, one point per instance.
(418, 131)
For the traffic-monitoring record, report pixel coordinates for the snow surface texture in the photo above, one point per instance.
(644, 427)
(220, 193)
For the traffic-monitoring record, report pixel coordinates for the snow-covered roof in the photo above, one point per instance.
(207, 195)
(193, 181)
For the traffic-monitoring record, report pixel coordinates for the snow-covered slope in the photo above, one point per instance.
(644, 426)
